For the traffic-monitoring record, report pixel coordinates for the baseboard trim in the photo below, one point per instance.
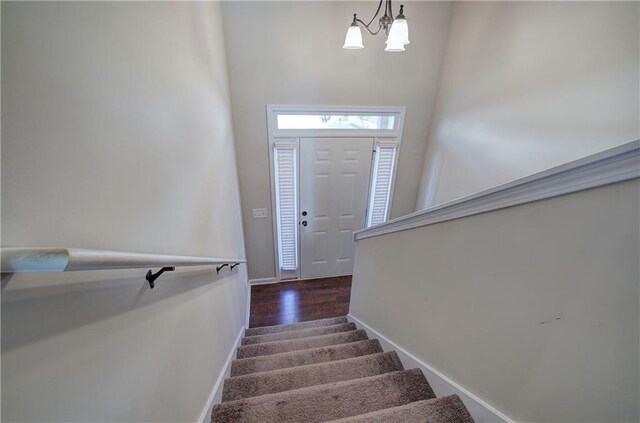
(216, 393)
(481, 411)
(263, 281)
(268, 281)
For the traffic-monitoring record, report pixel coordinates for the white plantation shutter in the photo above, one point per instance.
(381, 183)
(286, 204)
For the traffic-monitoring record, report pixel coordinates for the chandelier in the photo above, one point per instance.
(397, 30)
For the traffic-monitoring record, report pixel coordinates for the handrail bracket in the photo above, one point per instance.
(151, 277)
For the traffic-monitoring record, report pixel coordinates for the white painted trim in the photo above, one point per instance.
(611, 166)
(268, 281)
(274, 109)
(216, 393)
(265, 281)
(73, 259)
(274, 135)
(247, 316)
(289, 144)
(274, 206)
(385, 142)
(481, 411)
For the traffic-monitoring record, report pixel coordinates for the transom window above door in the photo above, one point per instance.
(334, 121)
(288, 121)
(332, 173)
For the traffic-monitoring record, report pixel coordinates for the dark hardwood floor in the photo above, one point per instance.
(299, 301)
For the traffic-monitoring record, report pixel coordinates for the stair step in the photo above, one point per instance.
(325, 354)
(281, 380)
(330, 401)
(449, 409)
(295, 334)
(277, 347)
(295, 326)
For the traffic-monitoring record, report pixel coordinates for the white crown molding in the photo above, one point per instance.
(611, 166)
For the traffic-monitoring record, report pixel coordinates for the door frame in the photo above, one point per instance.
(274, 134)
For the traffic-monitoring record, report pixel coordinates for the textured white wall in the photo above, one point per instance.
(526, 86)
(117, 135)
(291, 53)
(532, 308)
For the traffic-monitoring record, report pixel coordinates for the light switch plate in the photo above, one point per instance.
(259, 213)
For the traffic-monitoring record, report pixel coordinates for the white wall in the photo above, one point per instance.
(117, 135)
(526, 86)
(532, 308)
(291, 53)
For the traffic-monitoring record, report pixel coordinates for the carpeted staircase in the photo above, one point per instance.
(327, 370)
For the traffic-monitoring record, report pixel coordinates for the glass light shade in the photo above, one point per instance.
(399, 32)
(353, 39)
(394, 47)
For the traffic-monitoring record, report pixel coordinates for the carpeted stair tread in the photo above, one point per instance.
(288, 379)
(277, 347)
(331, 401)
(449, 409)
(295, 334)
(295, 326)
(324, 354)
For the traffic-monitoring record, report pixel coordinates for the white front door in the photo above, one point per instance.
(334, 186)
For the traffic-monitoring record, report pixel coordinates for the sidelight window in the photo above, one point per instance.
(381, 182)
(286, 204)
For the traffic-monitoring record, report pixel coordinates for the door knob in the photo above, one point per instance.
(304, 213)
(304, 223)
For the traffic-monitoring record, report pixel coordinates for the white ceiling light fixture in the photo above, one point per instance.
(397, 30)
(394, 47)
(353, 39)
